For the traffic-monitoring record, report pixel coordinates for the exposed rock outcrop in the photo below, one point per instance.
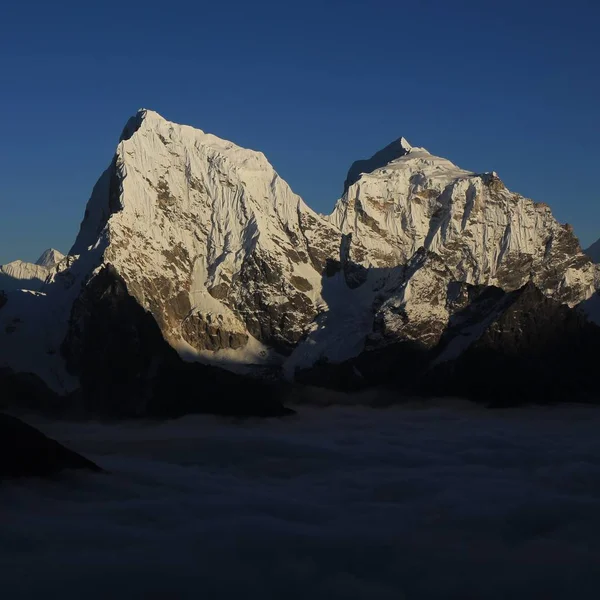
(208, 238)
(127, 369)
(509, 348)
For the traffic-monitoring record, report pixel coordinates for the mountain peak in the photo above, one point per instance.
(192, 246)
(149, 114)
(49, 258)
(403, 143)
(397, 149)
(135, 122)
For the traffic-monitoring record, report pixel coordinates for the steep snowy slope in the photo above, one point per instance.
(191, 243)
(50, 258)
(449, 225)
(208, 238)
(485, 233)
(33, 324)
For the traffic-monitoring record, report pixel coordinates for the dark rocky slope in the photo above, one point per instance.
(25, 451)
(500, 348)
(127, 369)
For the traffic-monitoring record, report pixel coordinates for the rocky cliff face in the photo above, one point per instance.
(127, 369)
(209, 239)
(449, 225)
(231, 267)
(518, 346)
(416, 230)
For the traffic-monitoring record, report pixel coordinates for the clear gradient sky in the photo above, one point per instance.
(505, 85)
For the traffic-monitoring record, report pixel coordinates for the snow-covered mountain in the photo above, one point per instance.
(209, 239)
(199, 239)
(50, 258)
(19, 274)
(450, 225)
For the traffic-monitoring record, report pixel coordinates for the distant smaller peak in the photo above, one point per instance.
(49, 258)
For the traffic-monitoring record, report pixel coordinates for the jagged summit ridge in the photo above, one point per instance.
(383, 157)
(135, 122)
(235, 268)
(484, 233)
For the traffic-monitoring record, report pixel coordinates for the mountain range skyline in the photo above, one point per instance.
(315, 87)
(193, 248)
(63, 242)
(299, 299)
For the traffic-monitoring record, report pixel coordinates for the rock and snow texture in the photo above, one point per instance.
(208, 238)
(450, 225)
(485, 233)
(234, 267)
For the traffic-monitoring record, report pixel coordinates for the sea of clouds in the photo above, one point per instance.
(451, 502)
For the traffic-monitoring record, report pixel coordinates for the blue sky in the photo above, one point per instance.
(506, 86)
